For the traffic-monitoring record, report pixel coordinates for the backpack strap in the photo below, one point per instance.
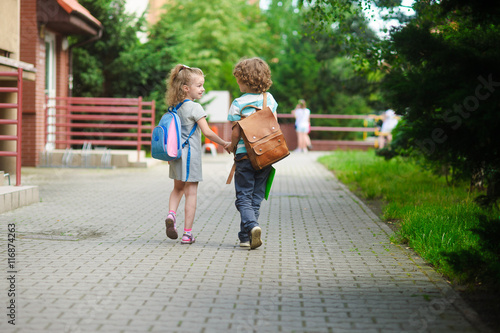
(188, 162)
(233, 169)
(264, 104)
(178, 106)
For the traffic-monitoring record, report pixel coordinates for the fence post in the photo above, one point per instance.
(19, 125)
(67, 121)
(153, 115)
(139, 129)
(365, 124)
(46, 122)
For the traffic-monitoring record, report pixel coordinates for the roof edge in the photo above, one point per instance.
(73, 7)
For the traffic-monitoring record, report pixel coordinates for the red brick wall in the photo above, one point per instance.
(29, 44)
(33, 51)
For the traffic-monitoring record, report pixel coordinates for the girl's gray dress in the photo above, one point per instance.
(189, 113)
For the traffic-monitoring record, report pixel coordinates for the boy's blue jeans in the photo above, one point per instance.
(250, 188)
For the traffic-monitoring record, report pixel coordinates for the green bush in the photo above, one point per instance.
(441, 223)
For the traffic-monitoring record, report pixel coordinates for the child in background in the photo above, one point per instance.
(302, 126)
(186, 84)
(254, 79)
(390, 120)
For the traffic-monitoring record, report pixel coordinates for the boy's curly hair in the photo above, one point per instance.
(180, 75)
(254, 73)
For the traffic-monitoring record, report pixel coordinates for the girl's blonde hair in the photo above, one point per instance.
(254, 73)
(180, 75)
(302, 103)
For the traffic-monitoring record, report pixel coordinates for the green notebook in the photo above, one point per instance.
(269, 182)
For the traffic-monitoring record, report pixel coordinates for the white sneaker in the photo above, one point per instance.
(255, 240)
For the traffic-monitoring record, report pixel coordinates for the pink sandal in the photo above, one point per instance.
(171, 229)
(187, 239)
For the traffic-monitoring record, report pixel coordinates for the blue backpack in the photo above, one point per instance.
(166, 137)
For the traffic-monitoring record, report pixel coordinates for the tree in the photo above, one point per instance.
(444, 77)
(318, 67)
(98, 66)
(214, 36)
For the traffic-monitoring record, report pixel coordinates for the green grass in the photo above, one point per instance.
(440, 222)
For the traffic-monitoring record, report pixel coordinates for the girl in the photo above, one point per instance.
(302, 126)
(186, 84)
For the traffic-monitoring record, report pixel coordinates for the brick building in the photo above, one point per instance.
(39, 44)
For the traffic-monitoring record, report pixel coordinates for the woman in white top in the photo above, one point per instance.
(302, 126)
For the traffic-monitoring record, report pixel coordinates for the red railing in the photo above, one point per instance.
(107, 122)
(341, 143)
(18, 122)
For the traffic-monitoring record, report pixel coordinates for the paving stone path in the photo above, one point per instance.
(92, 256)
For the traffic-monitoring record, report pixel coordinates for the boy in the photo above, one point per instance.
(254, 79)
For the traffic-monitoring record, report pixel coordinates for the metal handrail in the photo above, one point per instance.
(18, 122)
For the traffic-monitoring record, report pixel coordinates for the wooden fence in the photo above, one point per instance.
(291, 137)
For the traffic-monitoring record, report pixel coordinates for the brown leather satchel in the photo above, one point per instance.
(263, 138)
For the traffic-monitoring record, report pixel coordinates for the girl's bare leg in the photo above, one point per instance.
(176, 195)
(191, 192)
(302, 140)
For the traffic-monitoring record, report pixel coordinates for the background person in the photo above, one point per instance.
(390, 120)
(302, 126)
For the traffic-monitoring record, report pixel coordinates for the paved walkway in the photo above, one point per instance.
(93, 257)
